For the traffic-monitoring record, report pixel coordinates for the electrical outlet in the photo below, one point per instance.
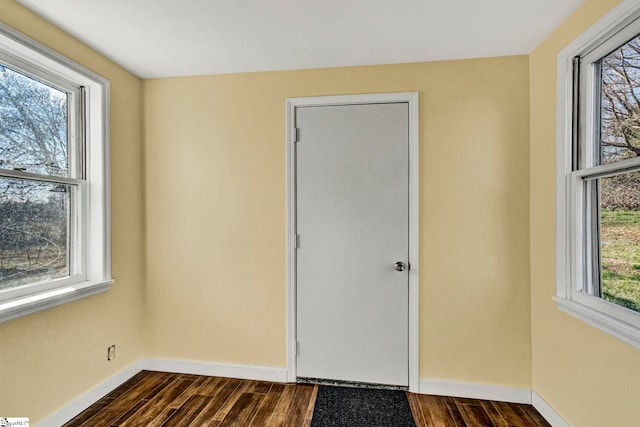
(111, 352)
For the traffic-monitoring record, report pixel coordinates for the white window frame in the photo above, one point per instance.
(572, 236)
(91, 243)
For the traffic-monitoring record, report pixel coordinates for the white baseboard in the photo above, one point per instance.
(476, 391)
(441, 388)
(69, 411)
(547, 411)
(217, 369)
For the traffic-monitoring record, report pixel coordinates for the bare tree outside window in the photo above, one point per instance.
(34, 215)
(620, 103)
(620, 194)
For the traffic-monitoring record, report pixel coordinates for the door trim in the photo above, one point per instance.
(412, 98)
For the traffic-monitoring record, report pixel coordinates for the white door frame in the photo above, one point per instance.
(412, 99)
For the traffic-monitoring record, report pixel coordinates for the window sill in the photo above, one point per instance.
(43, 300)
(619, 329)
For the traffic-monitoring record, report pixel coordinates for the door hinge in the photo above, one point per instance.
(296, 134)
(296, 242)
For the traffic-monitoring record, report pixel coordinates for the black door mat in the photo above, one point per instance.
(361, 407)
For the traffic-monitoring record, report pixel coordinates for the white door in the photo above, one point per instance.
(352, 215)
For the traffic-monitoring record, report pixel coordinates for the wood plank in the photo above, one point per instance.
(474, 415)
(192, 377)
(312, 403)
(513, 414)
(212, 386)
(535, 416)
(196, 382)
(169, 378)
(208, 414)
(456, 416)
(130, 383)
(465, 401)
(184, 415)
(495, 416)
(87, 414)
(242, 411)
(135, 408)
(267, 406)
(416, 410)
(281, 412)
(158, 403)
(435, 411)
(143, 390)
(162, 417)
(244, 387)
(262, 387)
(299, 405)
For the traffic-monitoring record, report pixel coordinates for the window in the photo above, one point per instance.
(598, 187)
(54, 204)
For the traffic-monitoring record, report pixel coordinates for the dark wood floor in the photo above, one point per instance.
(440, 411)
(166, 399)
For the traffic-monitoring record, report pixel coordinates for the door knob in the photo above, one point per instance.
(400, 266)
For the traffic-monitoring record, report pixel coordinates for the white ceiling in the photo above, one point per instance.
(159, 38)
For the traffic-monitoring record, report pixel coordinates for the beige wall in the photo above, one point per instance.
(590, 378)
(50, 358)
(215, 188)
